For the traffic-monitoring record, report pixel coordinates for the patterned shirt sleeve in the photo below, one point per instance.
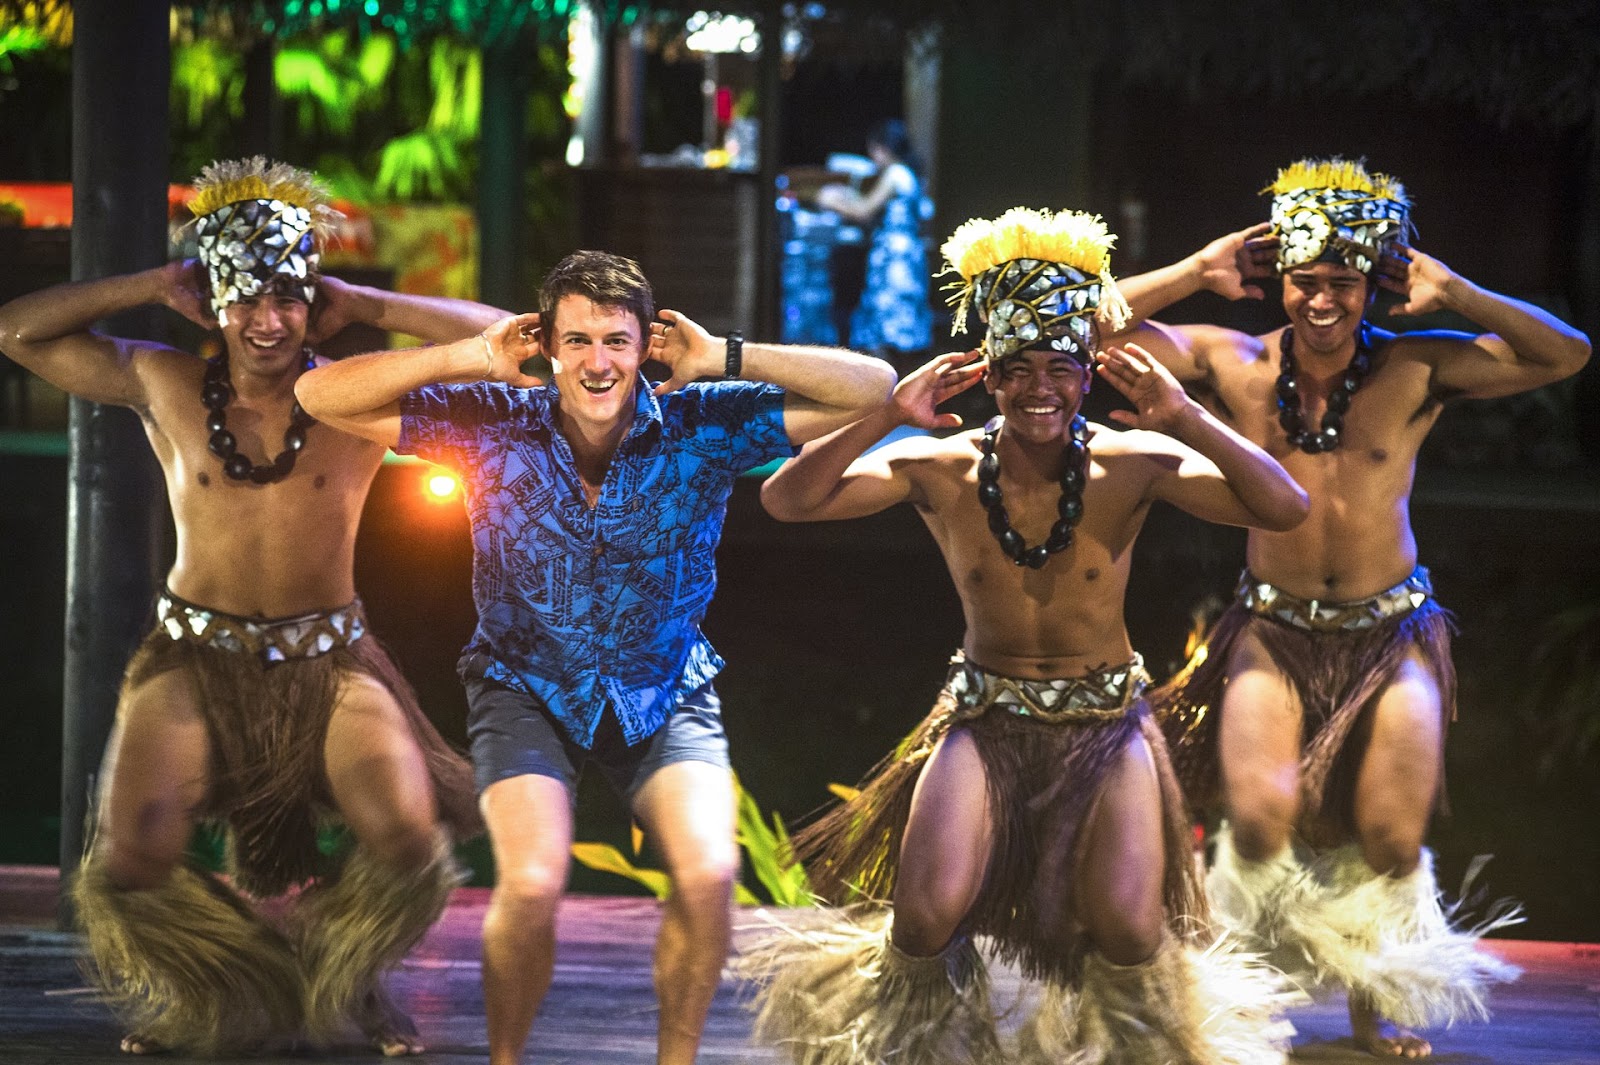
(747, 418)
(445, 424)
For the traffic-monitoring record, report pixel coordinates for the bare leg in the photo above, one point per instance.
(530, 828)
(1395, 792)
(946, 848)
(153, 780)
(380, 784)
(1260, 752)
(688, 810)
(1122, 863)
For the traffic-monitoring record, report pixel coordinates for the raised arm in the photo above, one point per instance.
(435, 319)
(830, 479)
(857, 207)
(50, 333)
(1232, 266)
(1216, 474)
(361, 395)
(828, 387)
(1524, 347)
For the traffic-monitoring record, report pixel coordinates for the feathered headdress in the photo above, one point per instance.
(260, 225)
(1036, 278)
(1333, 210)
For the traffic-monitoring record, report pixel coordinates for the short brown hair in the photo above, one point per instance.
(608, 280)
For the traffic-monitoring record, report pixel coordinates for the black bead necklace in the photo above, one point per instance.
(1069, 509)
(1289, 415)
(215, 393)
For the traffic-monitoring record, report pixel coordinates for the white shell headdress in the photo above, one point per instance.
(1037, 279)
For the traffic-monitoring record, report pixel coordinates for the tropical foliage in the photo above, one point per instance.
(766, 849)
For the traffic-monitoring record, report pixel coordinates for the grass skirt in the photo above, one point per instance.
(1338, 677)
(1042, 779)
(267, 725)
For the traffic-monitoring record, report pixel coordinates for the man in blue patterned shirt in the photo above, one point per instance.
(596, 506)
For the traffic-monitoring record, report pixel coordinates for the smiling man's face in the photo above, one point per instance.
(595, 350)
(1325, 302)
(266, 333)
(1039, 391)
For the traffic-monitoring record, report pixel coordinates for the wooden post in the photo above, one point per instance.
(121, 71)
(502, 154)
(770, 95)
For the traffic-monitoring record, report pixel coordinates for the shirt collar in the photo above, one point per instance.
(646, 408)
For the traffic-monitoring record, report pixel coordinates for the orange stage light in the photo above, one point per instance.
(440, 486)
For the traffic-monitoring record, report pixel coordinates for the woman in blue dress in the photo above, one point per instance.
(893, 319)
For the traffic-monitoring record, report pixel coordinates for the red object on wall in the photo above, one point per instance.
(48, 204)
(724, 105)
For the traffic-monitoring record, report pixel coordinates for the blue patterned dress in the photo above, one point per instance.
(894, 315)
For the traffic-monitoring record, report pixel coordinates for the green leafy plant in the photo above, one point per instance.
(206, 75)
(765, 844)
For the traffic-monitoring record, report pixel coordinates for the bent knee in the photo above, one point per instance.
(1391, 850)
(401, 844)
(708, 877)
(530, 893)
(1259, 835)
(130, 867)
(1128, 942)
(924, 923)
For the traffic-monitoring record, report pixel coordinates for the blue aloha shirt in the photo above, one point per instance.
(581, 607)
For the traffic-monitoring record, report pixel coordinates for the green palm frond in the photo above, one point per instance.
(206, 75)
(419, 165)
(607, 859)
(769, 853)
(766, 845)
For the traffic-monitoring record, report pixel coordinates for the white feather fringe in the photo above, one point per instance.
(1392, 940)
(843, 994)
(1248, 895)
(1185, 1006)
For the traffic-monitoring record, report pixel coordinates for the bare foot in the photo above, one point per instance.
(387, 1028)
(1379, 1037)
(134, 1043)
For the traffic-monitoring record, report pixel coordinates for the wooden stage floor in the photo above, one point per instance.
(601, 1008)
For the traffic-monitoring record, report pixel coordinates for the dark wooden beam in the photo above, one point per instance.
(121, 70)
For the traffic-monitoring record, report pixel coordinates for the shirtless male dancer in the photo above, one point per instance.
(1318, 709)
(1035, 805)
(257, 699)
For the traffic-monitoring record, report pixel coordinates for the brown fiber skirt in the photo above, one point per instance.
(1338, 677)
(1042, 781)
(267, 725)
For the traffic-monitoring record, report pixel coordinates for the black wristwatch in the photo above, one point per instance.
(735, 342)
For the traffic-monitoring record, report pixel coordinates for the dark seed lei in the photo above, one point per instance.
(1069, 509)
(1289, 415)
(215, 393)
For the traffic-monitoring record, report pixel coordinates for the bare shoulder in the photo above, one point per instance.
(161, 371)
(927, 451)
(1425, 346)
(1217, 348)
(1131, 445)
(931, 460)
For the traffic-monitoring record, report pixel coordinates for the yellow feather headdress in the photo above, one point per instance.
(259, 226)
(1036, 277)
(1335, 210)
(259, 178)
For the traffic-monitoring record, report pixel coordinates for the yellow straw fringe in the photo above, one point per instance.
(258, 178)
(1335, 173)
(1072, 237)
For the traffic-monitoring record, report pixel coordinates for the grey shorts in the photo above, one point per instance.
(513, 734)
